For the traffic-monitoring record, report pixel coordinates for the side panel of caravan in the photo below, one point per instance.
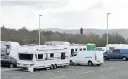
(50, 56)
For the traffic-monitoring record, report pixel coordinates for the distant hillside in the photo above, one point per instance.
(122, 32)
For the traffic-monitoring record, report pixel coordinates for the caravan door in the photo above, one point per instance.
(40, 60)
(64, 60)
(50, 59)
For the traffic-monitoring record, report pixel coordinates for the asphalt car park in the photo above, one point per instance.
(113, 69)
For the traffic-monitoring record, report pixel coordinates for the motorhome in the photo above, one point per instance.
(89, 58)
(43, 57)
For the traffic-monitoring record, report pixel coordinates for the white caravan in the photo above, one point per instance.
(113, 46)
(72, 47)
(87, 58)
(56, 43)
(10, 48)
(43, 57)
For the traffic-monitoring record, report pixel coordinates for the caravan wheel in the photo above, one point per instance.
(51, 67)
(55, 66)
(71, 62)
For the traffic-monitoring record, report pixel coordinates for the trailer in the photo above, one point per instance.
(44, 56)
(115, 46)
(10, 48)
(72, 48)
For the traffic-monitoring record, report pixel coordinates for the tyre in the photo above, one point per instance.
(106, 58)
(34, 69)
(98, 64)
(51, 67)
(90, 63)
(124, 58)
(65, 66)
(55, 66)
(71, 62)
(22, 69)
(11, 65)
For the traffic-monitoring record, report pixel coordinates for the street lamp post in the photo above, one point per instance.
(39, 28)
(107, 28)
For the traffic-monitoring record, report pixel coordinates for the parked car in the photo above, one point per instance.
(116, 54)
(8, 61)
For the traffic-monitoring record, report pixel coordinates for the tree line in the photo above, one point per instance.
(25, 36)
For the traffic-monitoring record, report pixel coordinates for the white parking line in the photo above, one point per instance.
(105, 69)
(35, 74)
(84, 72)
(5, 69)
(16, 77)
(114, 63)
(57, 71)
(58, 77)
(70, 69)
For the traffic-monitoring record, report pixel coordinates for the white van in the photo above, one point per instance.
(43, 57)
(89, 58)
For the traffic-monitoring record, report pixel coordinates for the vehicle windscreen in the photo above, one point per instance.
(2, 57)
(25, 56)
(98, 49)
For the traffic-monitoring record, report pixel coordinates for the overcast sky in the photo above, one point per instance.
(64, 14)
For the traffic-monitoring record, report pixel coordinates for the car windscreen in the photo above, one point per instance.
(25, 56)
(2, 57)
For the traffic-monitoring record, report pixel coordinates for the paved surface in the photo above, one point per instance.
(109, 70)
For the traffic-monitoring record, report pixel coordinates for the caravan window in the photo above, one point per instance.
(51, 54)
(72, 51)
(75, 54)
(84, 48)
(40, 56)
(8, 46)
(25, 56)
(75, 49)
(80, 49)
(63, 55)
